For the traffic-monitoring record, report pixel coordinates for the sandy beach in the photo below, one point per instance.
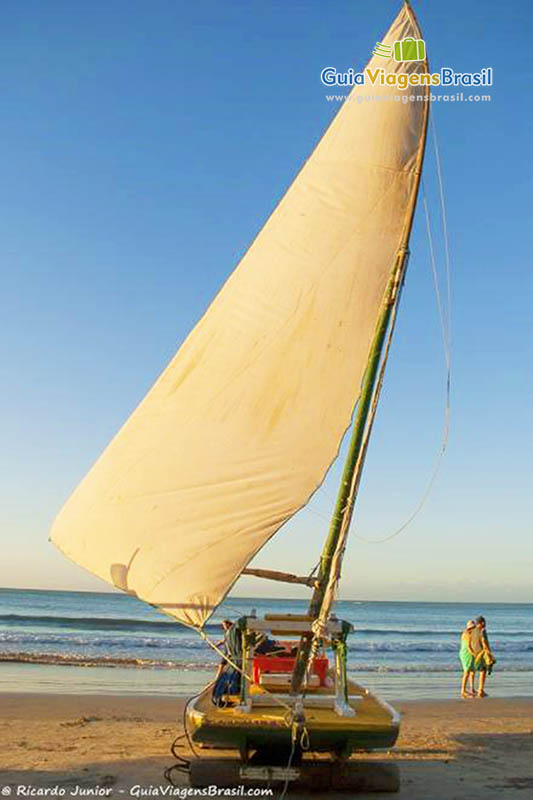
(448, 750)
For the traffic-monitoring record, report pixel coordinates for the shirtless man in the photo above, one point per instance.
(483, 657)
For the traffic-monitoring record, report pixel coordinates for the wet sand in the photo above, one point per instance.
(447, 750)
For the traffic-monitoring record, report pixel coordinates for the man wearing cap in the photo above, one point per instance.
(483, 658)
(228, 680)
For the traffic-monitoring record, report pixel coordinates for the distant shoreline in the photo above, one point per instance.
(291, 598)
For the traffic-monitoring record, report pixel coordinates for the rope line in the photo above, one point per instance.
(438, 296)
(444, 312)
(445, 322)
(243, 674)
(446, 238)
(183, 765)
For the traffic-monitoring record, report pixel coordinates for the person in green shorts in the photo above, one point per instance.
(467, 657)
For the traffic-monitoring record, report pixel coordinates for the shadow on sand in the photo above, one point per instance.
(482, 765)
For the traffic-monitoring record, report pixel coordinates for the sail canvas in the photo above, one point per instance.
(241, 427)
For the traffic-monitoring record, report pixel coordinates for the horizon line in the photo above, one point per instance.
(117, 593)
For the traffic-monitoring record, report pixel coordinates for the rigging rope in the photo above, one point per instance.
(183, 764)
(444, 311)
(445, 233)
(336, 562)
(243, 674)
(289, 717)
(445, 322)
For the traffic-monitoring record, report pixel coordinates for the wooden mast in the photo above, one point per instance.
(369, 394)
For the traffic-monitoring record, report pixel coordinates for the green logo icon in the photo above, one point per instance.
(382, 50)
(404, 50)
(410, 50)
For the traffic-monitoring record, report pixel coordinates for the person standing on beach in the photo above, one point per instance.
(467, 658)
(483, 657)
(228, 680)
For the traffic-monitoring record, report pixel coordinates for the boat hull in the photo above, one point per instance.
(265, 728)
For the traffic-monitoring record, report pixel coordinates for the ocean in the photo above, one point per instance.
(85, 642)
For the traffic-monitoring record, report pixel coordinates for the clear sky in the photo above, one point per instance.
(144, 145)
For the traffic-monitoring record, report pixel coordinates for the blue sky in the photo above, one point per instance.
(144, 146)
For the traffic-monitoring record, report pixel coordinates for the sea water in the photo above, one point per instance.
(83, 642)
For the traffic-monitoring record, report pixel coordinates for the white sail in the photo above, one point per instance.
(241, 427)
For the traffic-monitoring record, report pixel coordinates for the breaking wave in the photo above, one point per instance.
(100, 623)
(74, 660)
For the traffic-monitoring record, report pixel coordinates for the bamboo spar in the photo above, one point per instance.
(369, 393)
(353, 459)
(284, 577)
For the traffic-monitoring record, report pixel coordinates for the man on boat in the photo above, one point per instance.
(269, 646)
(228, 678)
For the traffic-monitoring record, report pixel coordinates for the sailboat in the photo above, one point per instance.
(241, 428)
